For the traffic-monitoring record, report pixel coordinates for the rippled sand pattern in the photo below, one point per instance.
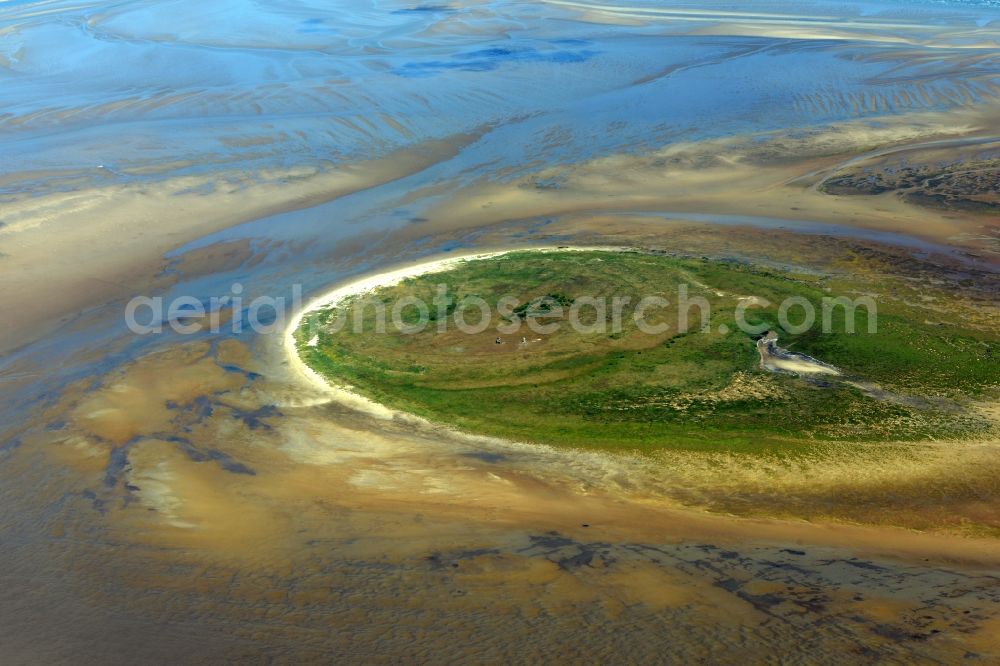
(100, 94)
(170, 498)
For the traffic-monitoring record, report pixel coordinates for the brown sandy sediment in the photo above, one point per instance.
(948, 178)
(176, 509)
(329, 571)
(269, 497)
(306, 445)
(305, 462)
(743, 176)
(770, 176)
(277, 522)
(264, 507)
(64, 253)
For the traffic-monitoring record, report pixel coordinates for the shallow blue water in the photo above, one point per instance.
(96, 92)
(93, 93)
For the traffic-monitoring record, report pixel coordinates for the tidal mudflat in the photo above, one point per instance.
(191, 497)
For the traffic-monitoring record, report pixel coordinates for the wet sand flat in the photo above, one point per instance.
(170, 498)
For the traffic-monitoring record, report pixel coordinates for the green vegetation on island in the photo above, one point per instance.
(915, 374)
